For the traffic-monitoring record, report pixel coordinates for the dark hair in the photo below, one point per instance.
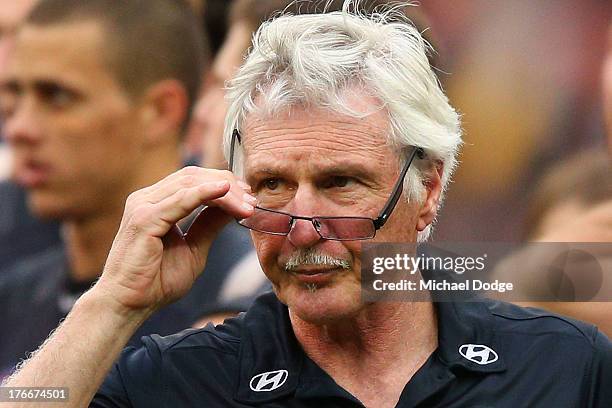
(148, 40)
(583, 177)
(215, 21)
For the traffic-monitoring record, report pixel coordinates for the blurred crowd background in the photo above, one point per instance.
(525, 75)
(527, 78)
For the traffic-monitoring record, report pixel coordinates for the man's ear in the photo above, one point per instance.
(433, 186)
(163, 111)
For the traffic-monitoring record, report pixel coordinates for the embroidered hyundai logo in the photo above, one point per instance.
(268, 381)
(478, 353)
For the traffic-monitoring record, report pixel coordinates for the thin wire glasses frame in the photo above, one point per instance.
(330, 228)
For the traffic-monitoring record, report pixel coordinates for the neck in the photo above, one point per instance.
(88, 239)
(379, 332)
(385, 342)
(88, 243)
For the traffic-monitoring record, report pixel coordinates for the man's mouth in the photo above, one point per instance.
(31, 174)
(315, 274)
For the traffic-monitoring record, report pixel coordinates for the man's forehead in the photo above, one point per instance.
(91, 37)
(315, 140)
(50, 52)
(314, 129)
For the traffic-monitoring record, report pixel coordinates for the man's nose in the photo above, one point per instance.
(305, 202)
(22, 125)
(303, 234)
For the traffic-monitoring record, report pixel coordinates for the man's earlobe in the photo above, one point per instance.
(165, 110)
(428, 215)
(433, 190)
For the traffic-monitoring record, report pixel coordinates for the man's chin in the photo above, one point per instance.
(50, 208)
(323, 305)
(48, 213)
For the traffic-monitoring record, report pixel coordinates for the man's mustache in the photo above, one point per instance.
(311, 256)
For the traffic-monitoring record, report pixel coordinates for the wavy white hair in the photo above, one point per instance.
(313, 59)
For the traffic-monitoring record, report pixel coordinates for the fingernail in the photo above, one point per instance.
(244, 185)
(249, 198)
(221, 184)
(247, 206)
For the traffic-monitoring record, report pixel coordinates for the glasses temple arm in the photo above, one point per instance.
(397, 190)
(235, 136)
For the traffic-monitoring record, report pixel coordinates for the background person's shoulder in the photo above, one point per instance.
(511, 318)
(576, 353)
(553, 336)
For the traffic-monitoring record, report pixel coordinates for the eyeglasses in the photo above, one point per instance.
(330, 228)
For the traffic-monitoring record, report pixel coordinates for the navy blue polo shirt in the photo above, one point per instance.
(490, 354)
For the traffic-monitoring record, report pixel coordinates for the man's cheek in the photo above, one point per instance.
(268, 248)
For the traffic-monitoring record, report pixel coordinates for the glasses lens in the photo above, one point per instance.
(346, 228)
(267, 221)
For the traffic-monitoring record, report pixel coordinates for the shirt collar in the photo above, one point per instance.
(465, 328)
(270, 352)
(268, 346)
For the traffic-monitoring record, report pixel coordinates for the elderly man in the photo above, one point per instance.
(331, 118)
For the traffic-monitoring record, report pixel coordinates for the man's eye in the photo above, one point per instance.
(338, 182)
(56, 96)
(271, 184)
(60, 98)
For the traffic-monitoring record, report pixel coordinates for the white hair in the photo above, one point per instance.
(313, 59)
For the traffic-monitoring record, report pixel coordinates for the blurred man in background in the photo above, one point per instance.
(90, 121)
(572, 202)
(568, 195)
(594, 222)
(21, 234)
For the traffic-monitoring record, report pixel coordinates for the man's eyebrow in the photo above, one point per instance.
(352, 170)
(40, 85)
(10, 85)
(265, 172)
(46, 86)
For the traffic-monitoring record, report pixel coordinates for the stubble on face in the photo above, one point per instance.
(299, 146)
